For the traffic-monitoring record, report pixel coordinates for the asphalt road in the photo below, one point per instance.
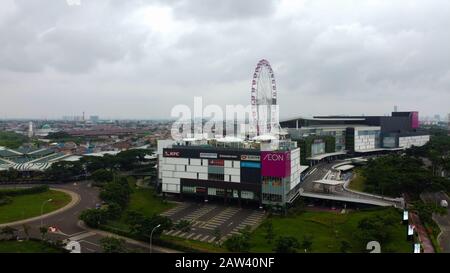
(442, 220)
(68, 223)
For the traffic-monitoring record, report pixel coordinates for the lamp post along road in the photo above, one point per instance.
(151, 235)
(42, 210)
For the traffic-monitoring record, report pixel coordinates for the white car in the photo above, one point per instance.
(444, 203)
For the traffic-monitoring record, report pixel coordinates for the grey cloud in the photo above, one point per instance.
(206, 10)
(329, 57)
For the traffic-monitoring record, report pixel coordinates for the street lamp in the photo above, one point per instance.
(42, 210)
(151, 235)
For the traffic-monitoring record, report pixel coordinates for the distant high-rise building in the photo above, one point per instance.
(94, 119)
(395, 108)
(448, 120)
(30, 129)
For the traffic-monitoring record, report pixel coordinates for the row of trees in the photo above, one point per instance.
(437, 151)
(116, 195)
(394, 175)
(67, 170)
(283, 244)
(12, 140)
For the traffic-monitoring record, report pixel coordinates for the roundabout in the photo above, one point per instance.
(31, 207)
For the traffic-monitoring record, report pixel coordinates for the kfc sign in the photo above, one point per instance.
(171, 154)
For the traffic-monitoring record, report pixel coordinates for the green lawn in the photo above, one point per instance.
(358, 181)
(328, 229)
(26, 247)
(144, 201)
(27, 206)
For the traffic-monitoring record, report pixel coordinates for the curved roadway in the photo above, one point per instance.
(67, 222)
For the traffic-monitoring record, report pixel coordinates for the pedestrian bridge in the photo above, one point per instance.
(351, 199)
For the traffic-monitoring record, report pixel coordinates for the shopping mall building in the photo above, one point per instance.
(231, 169)
(329, 136)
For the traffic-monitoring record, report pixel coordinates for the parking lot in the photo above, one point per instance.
(207, 218)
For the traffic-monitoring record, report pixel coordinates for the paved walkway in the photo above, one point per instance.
(75, 200)
(443, 220)
(423, 235)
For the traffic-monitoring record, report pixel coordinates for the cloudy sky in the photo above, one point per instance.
(137, 59)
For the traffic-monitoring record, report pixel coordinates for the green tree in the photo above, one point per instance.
(9, 232)
(286, 244)
(345, 246)
(117, 191)
(94, 217)
(113, 245)
(142, 226)
(114, 211)
(269, 232)
(184, 225)
(102, 176)
(307, 243)
(217, 234)
(238, 243)
(43, 231)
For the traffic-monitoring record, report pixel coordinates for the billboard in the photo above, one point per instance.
(405, 215)
(250, 165)
(276, 164)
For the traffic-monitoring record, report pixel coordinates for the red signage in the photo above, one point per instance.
(216, 162)
(276, 164)
(171, 154)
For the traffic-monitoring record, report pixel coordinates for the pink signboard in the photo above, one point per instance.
(415, 120)
(276, 164)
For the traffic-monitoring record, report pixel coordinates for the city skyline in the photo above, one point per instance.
(328, 58)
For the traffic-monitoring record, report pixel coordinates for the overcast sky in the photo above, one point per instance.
(137, 59)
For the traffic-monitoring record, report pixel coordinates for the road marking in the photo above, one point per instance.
(204, 238)
(82, 236)
(170, 232)
(190, 235)
(198, 236)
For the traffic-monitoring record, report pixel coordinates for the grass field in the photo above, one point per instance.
(328, 229)
(358, 181)
(26, 247)
(28, 206)
(143, 201)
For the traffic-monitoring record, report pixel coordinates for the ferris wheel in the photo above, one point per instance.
(264, 99)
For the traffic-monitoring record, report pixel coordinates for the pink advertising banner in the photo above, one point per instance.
(276, 164)
(415, 120)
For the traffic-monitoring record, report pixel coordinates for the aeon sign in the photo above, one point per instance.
(276, 164)
(274, 157)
